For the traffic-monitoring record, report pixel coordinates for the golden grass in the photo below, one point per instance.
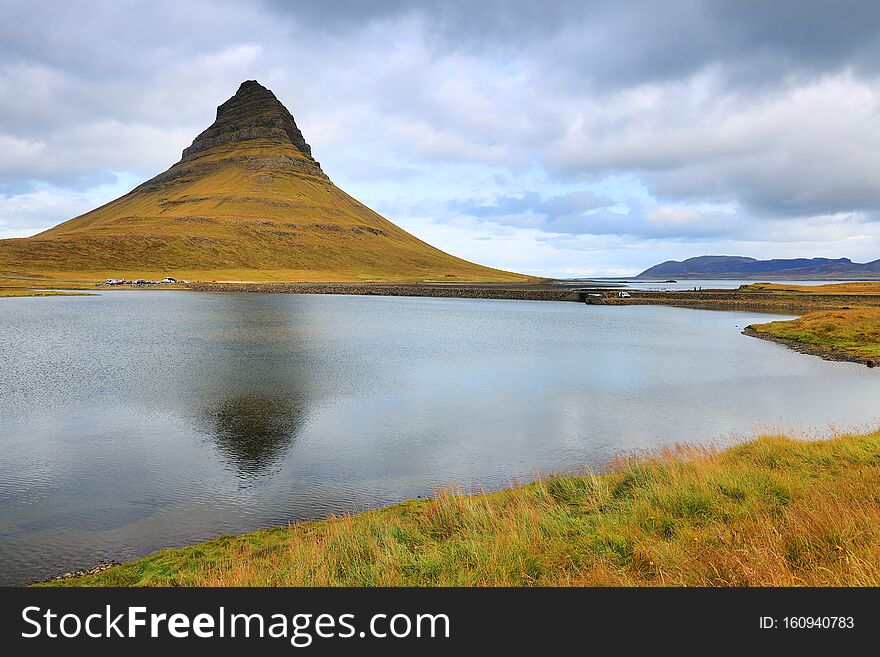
(76, 279)
(771, 512)
(24, 292)
(852, 331)
(234, 215)
(868, 288)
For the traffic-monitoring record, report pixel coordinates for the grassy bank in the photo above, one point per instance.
(775, 511)
(24, 292)
(849, 334)
(870, 288)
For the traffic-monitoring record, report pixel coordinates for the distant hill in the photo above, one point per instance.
(246, 201)
(742, 267)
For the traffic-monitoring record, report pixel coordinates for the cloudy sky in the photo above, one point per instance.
(554, 138)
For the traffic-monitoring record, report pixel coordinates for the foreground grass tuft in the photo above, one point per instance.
(772, 512)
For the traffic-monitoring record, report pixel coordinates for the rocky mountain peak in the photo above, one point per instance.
(253, 113)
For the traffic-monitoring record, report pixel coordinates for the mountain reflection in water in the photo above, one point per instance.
(253, 400)
(253, 432)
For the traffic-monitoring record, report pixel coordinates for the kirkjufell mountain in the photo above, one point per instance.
(246, 201)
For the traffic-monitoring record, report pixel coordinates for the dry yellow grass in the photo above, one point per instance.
(772, 512)
(867, 288)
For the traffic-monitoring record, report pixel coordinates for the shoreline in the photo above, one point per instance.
(514, 291)
(73, 574)
(685, 515)
(22, 293)
(535, 290)
(552, 291)
(825, 353)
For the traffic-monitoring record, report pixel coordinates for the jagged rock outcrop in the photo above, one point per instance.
(253, 113)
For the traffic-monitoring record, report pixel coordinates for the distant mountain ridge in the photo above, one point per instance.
(743, 267)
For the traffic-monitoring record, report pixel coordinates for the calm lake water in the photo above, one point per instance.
(133, 421)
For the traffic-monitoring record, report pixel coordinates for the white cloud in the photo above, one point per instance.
(674, 216)
(31, 212)
(810, 147)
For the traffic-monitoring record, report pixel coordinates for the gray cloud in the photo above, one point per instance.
(531, 209)
(584, 213)
(623, 43)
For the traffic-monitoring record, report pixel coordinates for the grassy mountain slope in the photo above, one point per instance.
(246, 202)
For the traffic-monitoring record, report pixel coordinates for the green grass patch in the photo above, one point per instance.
(854, 331)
